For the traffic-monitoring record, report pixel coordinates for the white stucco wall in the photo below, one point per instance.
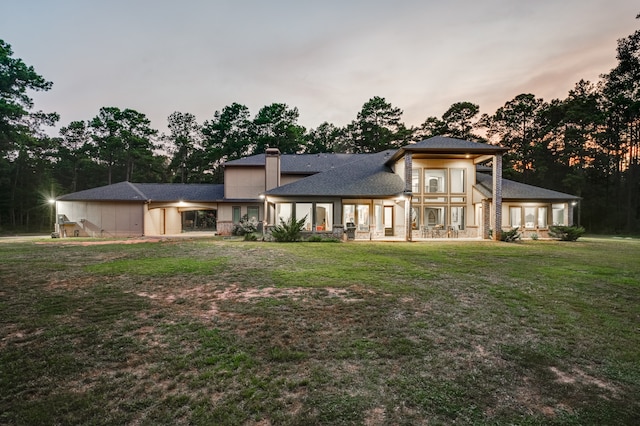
(162, 221)
(172, 221)
(154, 223)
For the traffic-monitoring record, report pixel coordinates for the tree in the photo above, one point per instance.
(137, 136)
(25, 151)
(431, 127)
(16, 78)
(276, 126)
(185, 140)
(518, 127)
(74, 151)
(326, 138)
(458, 121)
(378, 127)
(226, 137)
(108, 145)
(622, 93)
(123, 140)
(574, 126)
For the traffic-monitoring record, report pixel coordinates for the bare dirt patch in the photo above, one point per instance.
(375, 416)
(102, 242)
(577, 376)
(194, 299)
(71, 283)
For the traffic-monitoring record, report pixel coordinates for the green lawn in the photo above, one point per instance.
(225, 332)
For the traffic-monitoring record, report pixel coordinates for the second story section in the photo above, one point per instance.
(247, 178)
(441, 169)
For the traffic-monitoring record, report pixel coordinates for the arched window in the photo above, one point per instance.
(432, 219)
(433, 185)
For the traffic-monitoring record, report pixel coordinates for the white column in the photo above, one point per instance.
(497, 197)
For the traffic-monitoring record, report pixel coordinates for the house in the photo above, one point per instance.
(440, 187)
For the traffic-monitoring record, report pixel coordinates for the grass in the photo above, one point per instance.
(228, 332)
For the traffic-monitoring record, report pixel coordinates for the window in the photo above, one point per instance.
(201, 220)
(349, 214)
(457, 181)
(434, 216)
(542, 217)
(435, 199)
(235, 214)
(558, 214)
(253, 214)
(435, 181)
(457, 217)
(363, 217)
(357, 215)
(377, 209)
(283, 212)
(388, 217)
(303, 211)
(415, 218)
(515, 216)
(529, 217)
(415, 181)
(324, 217)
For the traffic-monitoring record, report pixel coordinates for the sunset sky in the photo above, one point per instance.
(327, 58)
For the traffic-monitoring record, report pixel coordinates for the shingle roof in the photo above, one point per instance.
(519, 191)
(445, 145)
(299, 163)
(127, 191)
(314, 163)
(366, 175)
(338, 175)
(252, 160)
(442, 143)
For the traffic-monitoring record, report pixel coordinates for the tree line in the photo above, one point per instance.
(587, 144)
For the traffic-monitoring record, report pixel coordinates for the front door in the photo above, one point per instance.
(388, 221)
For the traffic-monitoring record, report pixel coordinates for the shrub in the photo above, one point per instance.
(321, 239)
(244, 227)
(534, 236)
(250, 237)
(288, 231)
(566, 233)
(508, 236)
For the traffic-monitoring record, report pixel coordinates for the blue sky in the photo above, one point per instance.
(325, 57)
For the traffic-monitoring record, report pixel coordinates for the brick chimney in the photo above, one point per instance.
(272, 168)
